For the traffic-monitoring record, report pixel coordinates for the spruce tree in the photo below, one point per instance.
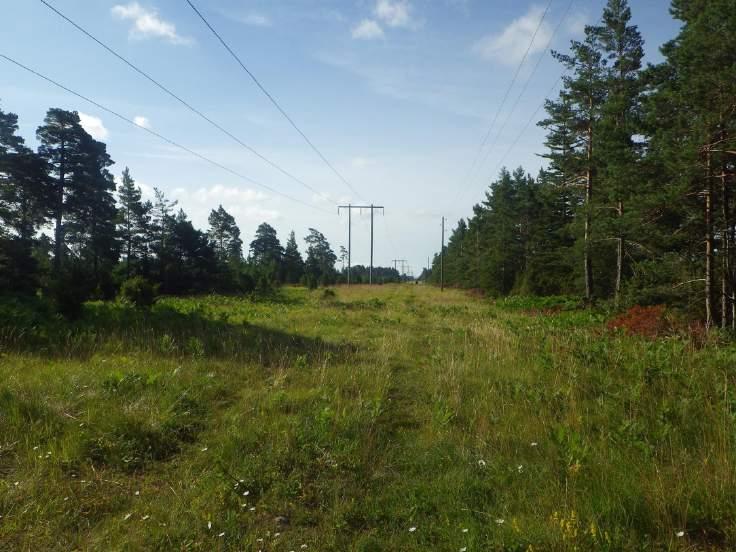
(293, 262)
(133, 222)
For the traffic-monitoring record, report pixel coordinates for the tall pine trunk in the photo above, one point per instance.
(725, 253)
(59, 211)
(588, 223)
(619, 252)
(709, 248)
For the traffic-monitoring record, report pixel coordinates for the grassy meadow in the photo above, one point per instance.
(392, 418)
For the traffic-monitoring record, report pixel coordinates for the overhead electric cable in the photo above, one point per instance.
(160, 136)
(528, 124)
(273, 100)
(501, 105)
(526, 84)
(180, 100)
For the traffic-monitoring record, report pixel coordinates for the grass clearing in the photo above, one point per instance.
(341, 422)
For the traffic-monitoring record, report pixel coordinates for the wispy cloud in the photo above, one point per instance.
(142, 121)
(394, 13)
(391, 13)
(255, 20)
(148, 24)
(367, 30)
(94, 126)
(508, 46)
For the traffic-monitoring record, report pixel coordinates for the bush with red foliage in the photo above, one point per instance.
(648, 322)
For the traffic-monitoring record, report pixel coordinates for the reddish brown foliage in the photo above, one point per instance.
(643, 321)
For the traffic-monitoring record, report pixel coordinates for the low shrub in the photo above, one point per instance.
(137, 291)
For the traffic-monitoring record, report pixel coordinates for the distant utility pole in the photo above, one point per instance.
(442, 258)
(402, 261)
(350, 208)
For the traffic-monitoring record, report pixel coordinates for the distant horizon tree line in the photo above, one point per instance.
(103, 235)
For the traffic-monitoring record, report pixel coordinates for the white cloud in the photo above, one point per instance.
(142, 121)
(245, 204)
(93, 126)
(394, 13)
(509, 45)
(256, 20)
(367, 30)
(227, 195)
(576, 24)
(147, 23)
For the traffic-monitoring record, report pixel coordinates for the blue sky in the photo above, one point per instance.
(397, 94)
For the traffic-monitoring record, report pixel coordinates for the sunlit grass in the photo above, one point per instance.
(341, 422)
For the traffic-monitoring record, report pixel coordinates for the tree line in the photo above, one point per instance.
(69, 232)
(636, 203)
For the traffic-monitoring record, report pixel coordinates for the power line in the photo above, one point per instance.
(273, 100)
(503, 102)
(526, 84)
(157, 135)
(179, 99)
(528, 123)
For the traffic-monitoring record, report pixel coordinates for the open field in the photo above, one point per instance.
(386, 418)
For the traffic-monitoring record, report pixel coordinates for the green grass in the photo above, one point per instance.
(341, 422)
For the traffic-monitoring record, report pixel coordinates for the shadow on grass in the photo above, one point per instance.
(30, 326)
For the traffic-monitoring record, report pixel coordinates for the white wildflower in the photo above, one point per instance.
(680, 533)
(221, 534)
(412, 529)
(465, 530)
(482, 463)
(534, 444)
(500, 521)
(209, 525)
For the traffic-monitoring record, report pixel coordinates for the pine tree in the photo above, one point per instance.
(693, 127)
(573, 120)
(320, 263)
(62, 140)
(91, 212)
(25, 204)
(225, 234)
(266, 247)
(618, 151)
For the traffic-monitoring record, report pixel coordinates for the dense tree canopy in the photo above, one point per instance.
(636, 201)
(105, 235)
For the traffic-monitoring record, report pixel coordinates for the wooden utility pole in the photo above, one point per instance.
(442, 258)
(350, 208)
